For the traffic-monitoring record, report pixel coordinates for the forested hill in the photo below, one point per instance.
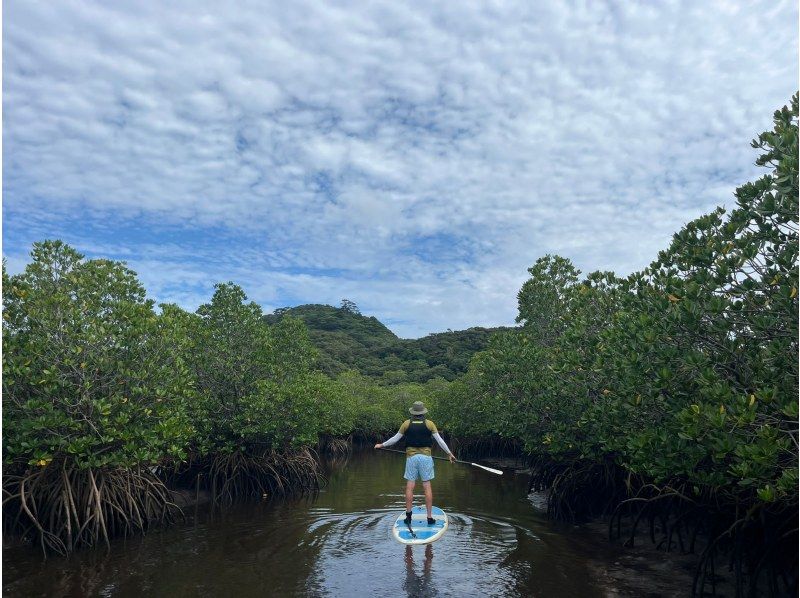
(348, 340)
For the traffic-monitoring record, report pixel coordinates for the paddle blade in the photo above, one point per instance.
(489, 469)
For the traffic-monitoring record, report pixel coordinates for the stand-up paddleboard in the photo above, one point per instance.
(419, 532)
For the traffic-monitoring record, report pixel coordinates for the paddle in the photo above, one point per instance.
(489, 469)
(411, 530)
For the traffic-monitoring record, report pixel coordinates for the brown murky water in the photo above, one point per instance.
(337, 543)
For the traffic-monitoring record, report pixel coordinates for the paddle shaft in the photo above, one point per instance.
(434, 456)
(497, 471)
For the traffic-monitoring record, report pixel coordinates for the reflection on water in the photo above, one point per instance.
(337, 543)
(419, 583)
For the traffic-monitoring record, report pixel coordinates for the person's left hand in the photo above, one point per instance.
(452, 458)
(379, 445)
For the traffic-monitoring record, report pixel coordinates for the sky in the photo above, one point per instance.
(415, 158)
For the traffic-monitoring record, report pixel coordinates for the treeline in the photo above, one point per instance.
(349, 341)
(107, 401)
(667, 399)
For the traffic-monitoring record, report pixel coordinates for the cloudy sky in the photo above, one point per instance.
(415, 158)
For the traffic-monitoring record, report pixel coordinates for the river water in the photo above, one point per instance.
(337, 543)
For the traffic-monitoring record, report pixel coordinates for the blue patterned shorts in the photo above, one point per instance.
(419, 466)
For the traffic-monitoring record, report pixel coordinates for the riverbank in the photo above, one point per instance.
(642, 570)
(636, 571)
(621, 571)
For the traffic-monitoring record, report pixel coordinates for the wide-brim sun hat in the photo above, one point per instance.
(418, 408)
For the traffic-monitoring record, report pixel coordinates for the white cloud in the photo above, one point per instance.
(415, 159)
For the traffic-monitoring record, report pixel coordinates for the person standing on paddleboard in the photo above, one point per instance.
(419, 433)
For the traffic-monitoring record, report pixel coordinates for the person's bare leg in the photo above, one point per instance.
(410, 494)
(428, 497)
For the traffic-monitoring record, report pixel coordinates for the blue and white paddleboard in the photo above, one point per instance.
(420, 532)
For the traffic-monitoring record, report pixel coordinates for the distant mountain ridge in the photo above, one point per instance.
(348, 340)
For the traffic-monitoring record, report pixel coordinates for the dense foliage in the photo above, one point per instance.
(89, 374)
(94, 375)
(256, 383)
(349, 341)
(380, 409)
(104, 399)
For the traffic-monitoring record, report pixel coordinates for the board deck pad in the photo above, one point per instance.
(419, 524)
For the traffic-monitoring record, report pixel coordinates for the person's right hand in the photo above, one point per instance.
(379, 445)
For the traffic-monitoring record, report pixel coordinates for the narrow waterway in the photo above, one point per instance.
(337, 543)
